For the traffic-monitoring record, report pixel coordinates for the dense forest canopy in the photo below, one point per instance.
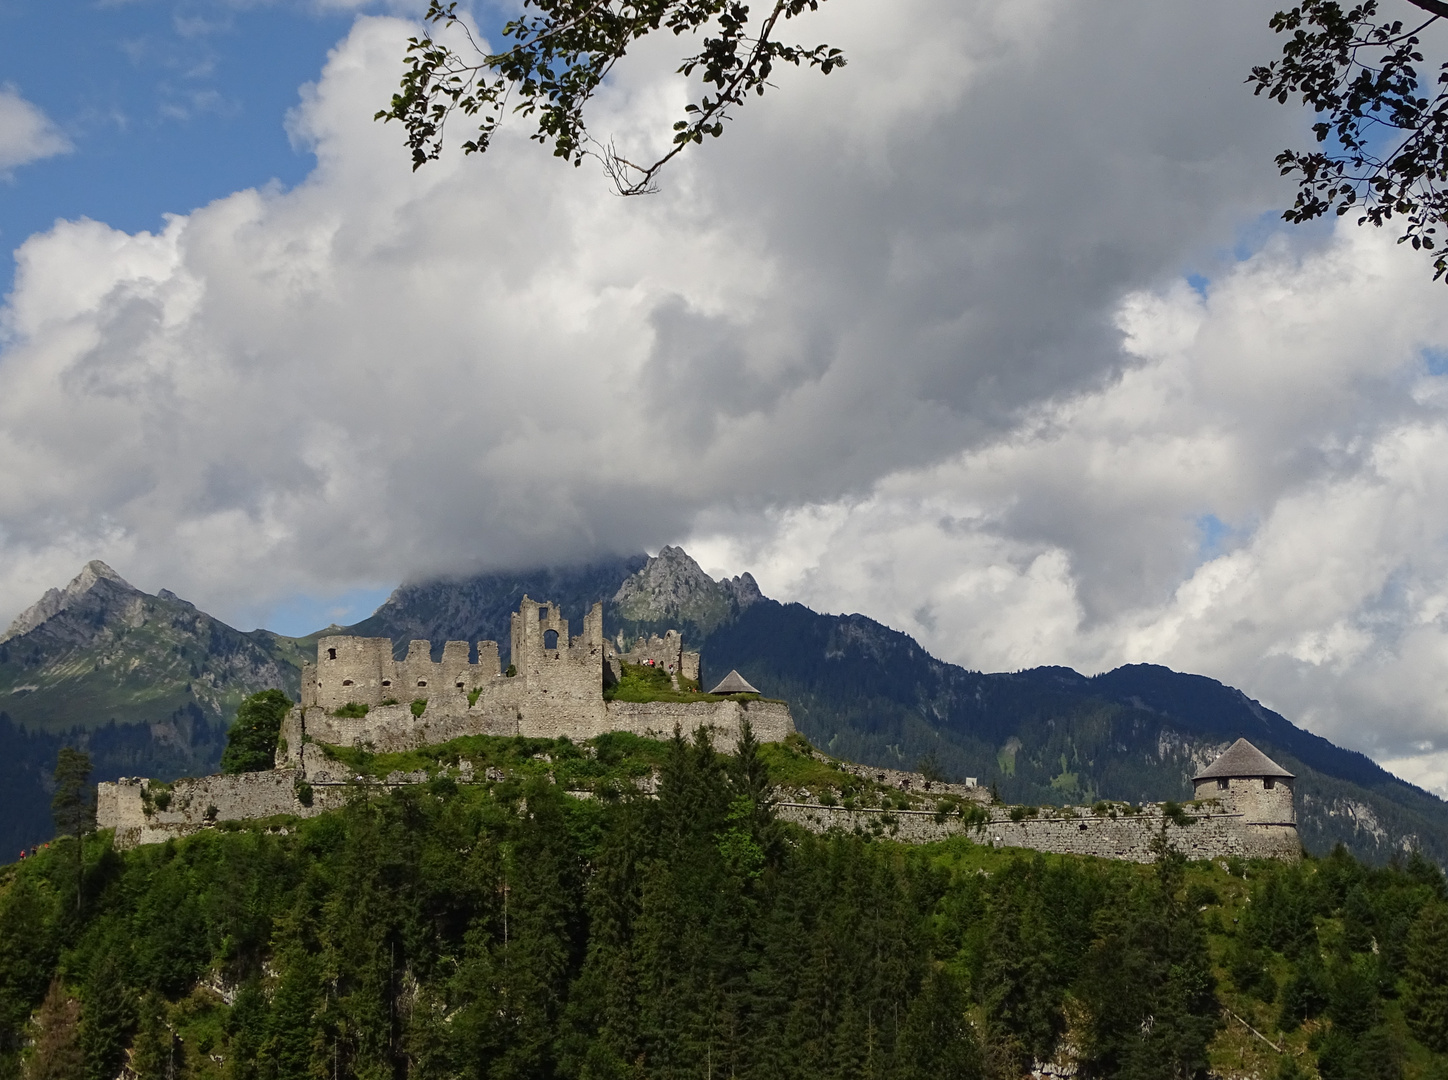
(510, 930)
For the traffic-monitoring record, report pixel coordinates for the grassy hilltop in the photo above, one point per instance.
(509, 929)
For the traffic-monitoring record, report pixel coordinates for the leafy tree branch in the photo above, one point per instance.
(1382, 128)
(561, 51)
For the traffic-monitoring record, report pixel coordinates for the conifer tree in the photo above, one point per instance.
(107, 1018)
(73, 806)
(1425, 996)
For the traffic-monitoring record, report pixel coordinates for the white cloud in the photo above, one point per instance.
(26, 133)
(1294, 403)
(911, 340)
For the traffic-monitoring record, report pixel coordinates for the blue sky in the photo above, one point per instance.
(168, 105)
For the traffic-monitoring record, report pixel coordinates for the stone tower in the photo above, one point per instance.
(1247, 782)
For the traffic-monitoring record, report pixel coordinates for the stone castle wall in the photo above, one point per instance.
(393, 728)
(198, 803)
(667, 652)
(1211, 835)
(770, 721)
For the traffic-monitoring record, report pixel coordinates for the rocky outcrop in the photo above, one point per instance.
(672, 588)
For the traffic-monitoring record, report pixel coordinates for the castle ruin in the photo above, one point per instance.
(358, 694)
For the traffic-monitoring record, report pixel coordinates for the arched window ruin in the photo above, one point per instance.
(331, 654)
(550, 639)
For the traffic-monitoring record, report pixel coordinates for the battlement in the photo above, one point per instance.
(552, 687)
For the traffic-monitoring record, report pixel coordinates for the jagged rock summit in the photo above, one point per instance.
(672, 587)
(57, 600)
(101, 649)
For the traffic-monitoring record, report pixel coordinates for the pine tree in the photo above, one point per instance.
(1425, 995)
(107, 1018)
(73, 806)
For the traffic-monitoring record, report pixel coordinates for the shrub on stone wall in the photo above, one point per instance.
(353, 710)
(419, 707)
(251, 743)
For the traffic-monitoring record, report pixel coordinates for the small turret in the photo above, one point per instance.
(1246, 781)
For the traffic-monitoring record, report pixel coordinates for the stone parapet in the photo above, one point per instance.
(132, 806)
(770, 720)
(1207, 836)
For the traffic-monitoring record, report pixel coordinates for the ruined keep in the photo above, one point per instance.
(553, 687)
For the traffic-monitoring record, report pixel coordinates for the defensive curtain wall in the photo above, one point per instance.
(1243, 806)
(1244, 802)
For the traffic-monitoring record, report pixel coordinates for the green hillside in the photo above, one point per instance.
(147, 684)
(509, 930)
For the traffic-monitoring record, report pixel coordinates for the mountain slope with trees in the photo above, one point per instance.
(508, 930)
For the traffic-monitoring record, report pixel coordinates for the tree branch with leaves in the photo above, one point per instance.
(560, 53)
(1382, 128)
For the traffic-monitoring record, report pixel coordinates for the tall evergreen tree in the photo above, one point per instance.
(1425, 997)
(74, 807)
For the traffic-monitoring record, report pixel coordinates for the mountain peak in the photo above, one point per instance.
(57, 600)
(671, 587)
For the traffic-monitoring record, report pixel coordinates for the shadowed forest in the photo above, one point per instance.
(510, 930)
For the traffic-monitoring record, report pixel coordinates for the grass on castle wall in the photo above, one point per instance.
(641, 683)
(614, 758)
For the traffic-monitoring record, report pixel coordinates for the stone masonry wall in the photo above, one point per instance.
(667, 652)
(199, 803)
(770, 720)
(1209, 836)
(1252, 798)
(393, 728)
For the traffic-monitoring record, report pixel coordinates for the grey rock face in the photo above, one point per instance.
(673, 588)
(56, 600)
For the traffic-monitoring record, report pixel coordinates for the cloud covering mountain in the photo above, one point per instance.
(914, 339)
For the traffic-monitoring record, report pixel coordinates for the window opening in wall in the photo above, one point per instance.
(421, 682)
(386, 682)
(460, 686)
(331, 654)
(1222, 785)
(550, 639)
(346, 682)
(1268, 783)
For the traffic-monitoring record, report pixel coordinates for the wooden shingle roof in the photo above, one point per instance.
(733, 683)
(1242, 759)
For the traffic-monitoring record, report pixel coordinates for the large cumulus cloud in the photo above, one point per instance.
(911, 339)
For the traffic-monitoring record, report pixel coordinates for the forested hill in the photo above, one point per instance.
(509, 931)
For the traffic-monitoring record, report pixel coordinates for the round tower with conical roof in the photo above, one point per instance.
(1246, 781)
